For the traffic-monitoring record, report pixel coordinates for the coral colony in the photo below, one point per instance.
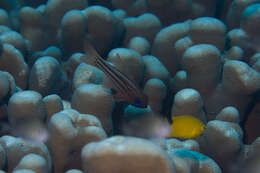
(130, 86)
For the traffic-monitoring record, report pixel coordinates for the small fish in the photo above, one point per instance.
(186, 126)
(124, 89)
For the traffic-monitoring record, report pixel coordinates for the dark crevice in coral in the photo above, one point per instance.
(253, 102)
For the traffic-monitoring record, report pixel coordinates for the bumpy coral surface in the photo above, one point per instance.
(67, 107)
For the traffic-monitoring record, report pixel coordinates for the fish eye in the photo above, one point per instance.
(137, 102)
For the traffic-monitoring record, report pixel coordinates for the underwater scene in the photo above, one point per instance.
(129, 86)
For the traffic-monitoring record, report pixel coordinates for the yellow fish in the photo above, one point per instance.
(186, 126)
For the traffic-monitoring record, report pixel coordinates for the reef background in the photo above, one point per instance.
(190, 57)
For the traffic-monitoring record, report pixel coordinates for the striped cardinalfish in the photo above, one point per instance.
(124, 89)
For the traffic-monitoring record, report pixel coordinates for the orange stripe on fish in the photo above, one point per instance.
(125, 89)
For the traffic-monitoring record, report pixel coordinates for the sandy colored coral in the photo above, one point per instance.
(202, 63)
(222, 141)
(239, 78)
(25, 106)
(98, 18)
(155, 69)
(85, 99)
(129, 62)
(229, 114)
(17, 148)
(53, 104)
(140, 44)
(55, 9)
(73, 27)
(190, 57)
(15, 39)
(192, 161)
(52, 51)
(234, 53)
(179, 81)
(193, 99)
(33, 28)
(235, 12)
(13, 62)
(47, 76)
(70, 131)
(162, 47)
(190, 144)
(72, 63)
(213, 31)
(85, 73)
(33, 162)
(146, 25)
(156, 91)
(125, 154)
